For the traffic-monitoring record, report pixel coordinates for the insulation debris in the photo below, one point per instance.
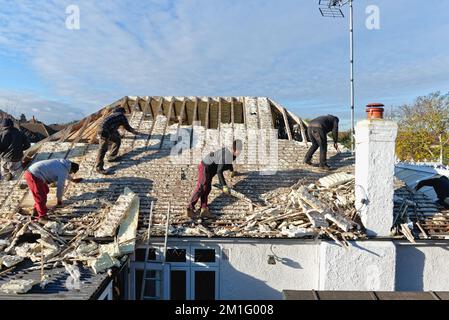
(336, 179)
(17, 286)
(69, 241)
(116, 215)
(303, 210)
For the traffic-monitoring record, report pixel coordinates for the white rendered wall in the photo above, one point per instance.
(364, 266)
(374, 170)
(247, 274)
(307, 265)
(422, 267)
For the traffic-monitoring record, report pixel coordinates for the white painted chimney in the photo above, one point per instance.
(374, 170)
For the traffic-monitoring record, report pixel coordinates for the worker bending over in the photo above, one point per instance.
(13, 143)
(108, 133)
(213, 164)
(441, 187)
(317, 130)
(41, 174)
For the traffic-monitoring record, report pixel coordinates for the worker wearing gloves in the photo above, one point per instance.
(317, 130)
(43, 173)
(13, 143)
(216, 163)
(108, 133)
(440, 185)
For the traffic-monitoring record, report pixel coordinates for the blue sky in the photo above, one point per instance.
(281, 49)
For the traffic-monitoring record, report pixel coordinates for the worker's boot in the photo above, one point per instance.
(205, 213)
(190, 212)
(325, 168)
(102, 171)
(115, 159)
(309, 163)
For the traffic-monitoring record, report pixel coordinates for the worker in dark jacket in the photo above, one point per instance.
(13, 143)
(108, 133)
(213, 164)
(317, 130)
(441, 187)
(41, 174)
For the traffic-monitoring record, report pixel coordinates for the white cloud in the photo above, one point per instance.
(282, 49)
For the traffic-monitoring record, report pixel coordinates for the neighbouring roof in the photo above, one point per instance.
(423, 210)
(38, 128)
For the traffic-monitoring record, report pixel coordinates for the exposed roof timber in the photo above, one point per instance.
(220, 107)
(287, 124)
(195, 111)
(207, 114)
(137, 105)
(147, 107)
(232, 112)
(183, 112)
(298, 120)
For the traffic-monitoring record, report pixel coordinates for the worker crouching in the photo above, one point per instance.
(215, 163)
(43, 173)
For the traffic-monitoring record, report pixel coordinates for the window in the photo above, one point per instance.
(205, 255)
(176, 255)
(140, 255)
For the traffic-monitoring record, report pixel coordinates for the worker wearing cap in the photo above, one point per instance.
(440, 185)
(213, 164)
(317, 130)
(108, 133)
(41, 174)
(13, 143)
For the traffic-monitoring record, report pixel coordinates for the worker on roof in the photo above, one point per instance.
(41, 174)
(317, 130)
(213, 164)
(440, 185)
(108, 133)
(13, 143)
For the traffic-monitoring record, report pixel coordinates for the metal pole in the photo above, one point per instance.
(351, 49)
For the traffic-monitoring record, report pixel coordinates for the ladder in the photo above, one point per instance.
(145, 278)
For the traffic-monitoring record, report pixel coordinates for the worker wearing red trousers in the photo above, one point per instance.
(214, 164)
(42, 173)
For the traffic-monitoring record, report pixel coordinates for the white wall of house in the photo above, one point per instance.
(243, 270)
(247, 273)
(422, 267)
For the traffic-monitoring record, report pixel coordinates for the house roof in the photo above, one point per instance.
(159, 176)
(432, 218)
(149, 169)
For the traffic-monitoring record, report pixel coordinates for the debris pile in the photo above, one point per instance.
(58, 244)
(325, 208)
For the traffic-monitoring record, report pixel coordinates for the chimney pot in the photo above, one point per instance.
(375, 111)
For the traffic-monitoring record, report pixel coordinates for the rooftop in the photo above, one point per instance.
(274, 192)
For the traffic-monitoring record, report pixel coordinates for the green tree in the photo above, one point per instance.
(424, 128)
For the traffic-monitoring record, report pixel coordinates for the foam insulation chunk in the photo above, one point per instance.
(17, 286)
(11, 261)
(336, 179)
